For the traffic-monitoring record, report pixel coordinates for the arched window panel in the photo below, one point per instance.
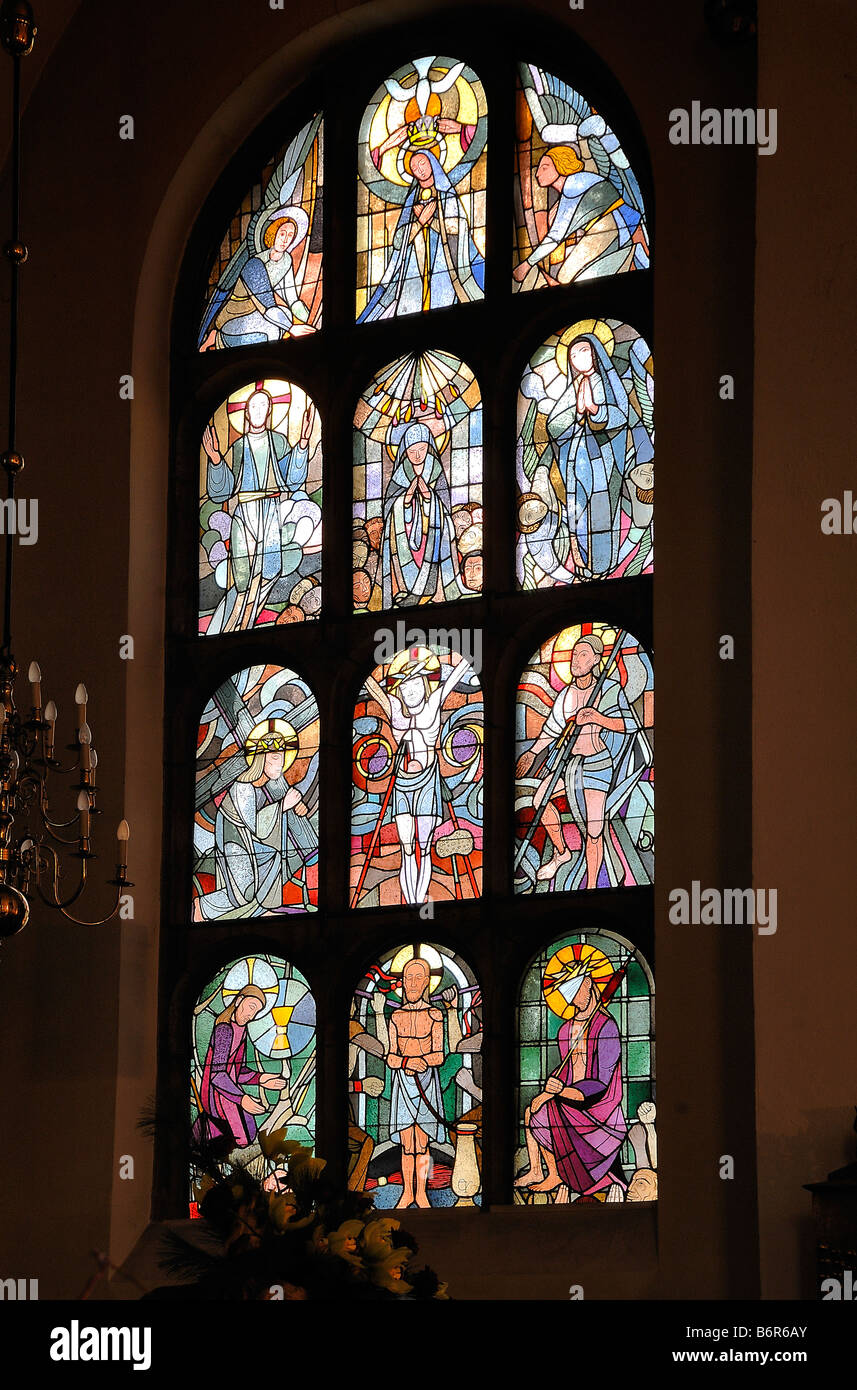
(579, 211)
(415, 1081)
(416, 818)
(584, 799)
(586, 1110)
(418, 484)
(256, 823)
(585, 457)
(266, 284)
(253, 1067)
(260, 494)
(421, 191)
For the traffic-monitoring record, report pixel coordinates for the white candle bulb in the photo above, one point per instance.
(51, 712)
(83, 808)
(84, 735)
(123, 835)
(34, 676)
(80, 699)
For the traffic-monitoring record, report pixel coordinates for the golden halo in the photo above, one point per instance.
(598, 327)
(564, 642)
(272, 736)
(564, 966)
(429, 954)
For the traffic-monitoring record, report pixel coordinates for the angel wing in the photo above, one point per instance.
(644, 384)
(279, 193)
(561, 115)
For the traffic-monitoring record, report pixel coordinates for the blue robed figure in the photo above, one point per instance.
(588, 431)
(419, 546)
(434, 261)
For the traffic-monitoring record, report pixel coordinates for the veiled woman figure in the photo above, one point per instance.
(227, 1108)
(418, 549)
(434, 261)
(588, 428)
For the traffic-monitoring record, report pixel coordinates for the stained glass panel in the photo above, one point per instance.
(416, 818)
(586, 1127)
(421, 191)
(584, 800)
(256, 825)
(418, 484)
(415, 1081)
(260, 468)
(253, 1063)
(578, 207)
(585, 457)
(265, 284)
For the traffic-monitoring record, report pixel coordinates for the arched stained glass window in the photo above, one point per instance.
(578, 206)
(584, 802)
(415, 1080)
(418, 484)
(587, 1074)
(585, 457)
(260, 466)
(421, 191)
(256, 825)
(265, 284)
(252, 1065)
(416, 817)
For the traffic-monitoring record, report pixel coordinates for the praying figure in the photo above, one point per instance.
(587, 429)
(273, 522)
(227, 1108)
(419, 554)
(415, 1055)
(575, 1126)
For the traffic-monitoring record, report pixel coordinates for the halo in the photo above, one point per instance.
(565, 965)
(560, 658)
(396, 429)
(274, 736)
(252, 971)
(293, 213)
(599, 327)
(429, 954)
(530, 504)
(423, 661)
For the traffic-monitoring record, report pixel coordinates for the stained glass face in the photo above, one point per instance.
(256, 824)
(418, 484)
(415, 1081)
(265, 284)
(260, 470)
(578, 207)
(584, 798)
(253, 1039)
(586, 1127)
(416, 818)
(585, 457)
(421, 191)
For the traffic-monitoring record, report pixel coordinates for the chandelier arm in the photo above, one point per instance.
(56, 903)
(82, 922)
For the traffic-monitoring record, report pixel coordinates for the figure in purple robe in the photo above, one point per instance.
(575, 1126)
(227, 1107)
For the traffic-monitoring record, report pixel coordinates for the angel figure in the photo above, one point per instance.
(596, 225)
(258, 299)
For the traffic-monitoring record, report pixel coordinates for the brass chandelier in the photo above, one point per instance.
(31, 839)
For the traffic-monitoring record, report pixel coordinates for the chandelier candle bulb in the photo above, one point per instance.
(34, 676)
(84, 736)
(83, 808)
(123, 835)
(80, 699)
(51, 719)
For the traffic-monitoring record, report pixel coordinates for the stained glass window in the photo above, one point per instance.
(585, 457)
(253, 1063)
(260, 466)
(415, 1081)
(256, 824)
(416, 818)
(578, 207)
(586, 1110)
(421, 191)
(584, 801)
(265, 284)
(418, 484)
